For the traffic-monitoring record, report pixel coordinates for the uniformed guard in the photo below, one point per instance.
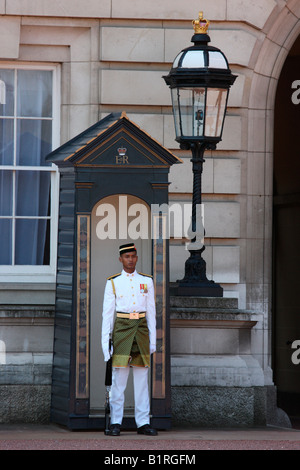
(129, 314)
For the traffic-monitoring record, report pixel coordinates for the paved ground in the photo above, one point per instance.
(53, 437)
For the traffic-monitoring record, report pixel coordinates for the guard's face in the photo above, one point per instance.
(129, 261)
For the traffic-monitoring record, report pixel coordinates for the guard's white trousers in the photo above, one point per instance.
(141, 394)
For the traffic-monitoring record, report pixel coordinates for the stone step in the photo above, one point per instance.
(214, 303)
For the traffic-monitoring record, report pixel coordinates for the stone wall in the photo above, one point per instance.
(112, 56)
(26, 350)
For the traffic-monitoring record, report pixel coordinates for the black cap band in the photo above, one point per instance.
(126, 248)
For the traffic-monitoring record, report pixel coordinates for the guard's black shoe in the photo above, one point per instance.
(147, 430)
(114, 430)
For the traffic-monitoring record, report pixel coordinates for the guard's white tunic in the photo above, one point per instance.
(129, 293)
(133, 293)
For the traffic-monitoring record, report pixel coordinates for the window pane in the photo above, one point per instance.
(33, 142)
(6, 241)
(31, 243)
(32, 193)
(6, 92)
(34, 93)
(6, 142)
(6, 193)
(26, 117)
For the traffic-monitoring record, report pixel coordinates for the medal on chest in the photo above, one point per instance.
(143, 288)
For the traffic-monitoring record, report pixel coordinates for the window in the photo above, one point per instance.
(28, 184)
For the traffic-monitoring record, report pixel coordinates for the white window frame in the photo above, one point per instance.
(40, 273)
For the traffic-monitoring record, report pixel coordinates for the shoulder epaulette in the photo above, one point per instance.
(113, 277)
(147, 275)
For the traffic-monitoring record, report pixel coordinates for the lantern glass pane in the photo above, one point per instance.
(216, 60)
(193, 59)
(189, 111)
(176, 60)
(215, 111)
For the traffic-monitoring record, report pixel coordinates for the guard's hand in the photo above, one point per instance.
(152, 348)
(106, 356)
(107, 353)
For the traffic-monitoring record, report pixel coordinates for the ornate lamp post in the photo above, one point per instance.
(199, 81)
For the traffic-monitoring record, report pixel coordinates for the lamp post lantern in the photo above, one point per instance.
(199, 80)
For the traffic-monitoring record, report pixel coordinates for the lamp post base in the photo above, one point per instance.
(195, 282)
(203, 289)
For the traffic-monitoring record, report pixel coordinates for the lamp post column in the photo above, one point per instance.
(197, 161)
(195, 281)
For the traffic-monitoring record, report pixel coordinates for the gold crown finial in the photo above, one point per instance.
(201, 25)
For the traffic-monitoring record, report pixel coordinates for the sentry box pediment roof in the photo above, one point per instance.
(113, 141)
